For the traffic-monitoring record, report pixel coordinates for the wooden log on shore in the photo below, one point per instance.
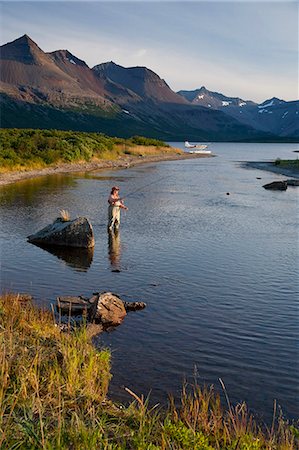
(105, 307)
(76, 306)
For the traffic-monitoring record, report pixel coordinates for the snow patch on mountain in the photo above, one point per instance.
(72, 61)
(242, 104)
(226, 103)
(267, 105)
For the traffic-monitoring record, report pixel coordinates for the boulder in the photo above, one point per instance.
(108, 309)
(70, 233)
(277, 185)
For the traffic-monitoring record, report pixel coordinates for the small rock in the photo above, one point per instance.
(134, 306)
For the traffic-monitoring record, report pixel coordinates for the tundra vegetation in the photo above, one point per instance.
(53, 388)
(288, 163)
(28, 149)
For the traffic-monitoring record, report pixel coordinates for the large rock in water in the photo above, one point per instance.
(277, 185)
(71, 233)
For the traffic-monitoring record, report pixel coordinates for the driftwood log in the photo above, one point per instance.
(105, 308)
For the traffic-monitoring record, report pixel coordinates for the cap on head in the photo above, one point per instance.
(115, 188)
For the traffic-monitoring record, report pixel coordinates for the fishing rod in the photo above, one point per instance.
(145, 186)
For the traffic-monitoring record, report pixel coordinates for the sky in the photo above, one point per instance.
(246, 49)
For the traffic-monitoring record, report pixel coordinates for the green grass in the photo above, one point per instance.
(25, 149)
(53, 388)
(288, 163)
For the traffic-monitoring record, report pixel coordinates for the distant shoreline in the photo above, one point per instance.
(122, 163)
(270, 167)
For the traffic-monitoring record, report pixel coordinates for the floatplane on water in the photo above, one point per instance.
(197, 148)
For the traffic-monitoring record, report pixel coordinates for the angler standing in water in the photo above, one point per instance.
(115, 205)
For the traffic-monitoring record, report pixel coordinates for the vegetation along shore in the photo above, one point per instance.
(287, 167)
(26, 153)
(53, 395)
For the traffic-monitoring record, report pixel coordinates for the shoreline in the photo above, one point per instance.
(124, 162)
(270, 167)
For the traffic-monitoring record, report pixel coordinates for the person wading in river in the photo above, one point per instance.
(115, 205)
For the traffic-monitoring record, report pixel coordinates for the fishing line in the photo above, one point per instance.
(145, 186)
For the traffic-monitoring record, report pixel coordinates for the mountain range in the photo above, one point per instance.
(59, 90)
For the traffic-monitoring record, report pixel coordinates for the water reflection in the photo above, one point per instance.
(76, 258)
(25, 192)
(114, 248)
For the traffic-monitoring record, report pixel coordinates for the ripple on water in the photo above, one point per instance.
(218, 273)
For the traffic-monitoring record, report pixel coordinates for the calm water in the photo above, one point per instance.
(218, 273)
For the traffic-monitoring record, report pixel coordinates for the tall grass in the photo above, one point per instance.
(288, 163)
(65, 215)
(53, 388)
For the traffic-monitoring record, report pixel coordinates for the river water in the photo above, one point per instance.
(219, 273)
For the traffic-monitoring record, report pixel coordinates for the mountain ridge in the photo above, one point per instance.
(58, 90)
(273, 115)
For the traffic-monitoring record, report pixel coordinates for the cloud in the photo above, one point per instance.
(140, 53)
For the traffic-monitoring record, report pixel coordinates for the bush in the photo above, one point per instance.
(30, 148)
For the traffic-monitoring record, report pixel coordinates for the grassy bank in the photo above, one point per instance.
(52, 396)
(28, 149)
(287, 163)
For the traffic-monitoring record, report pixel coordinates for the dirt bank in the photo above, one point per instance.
(122, 162)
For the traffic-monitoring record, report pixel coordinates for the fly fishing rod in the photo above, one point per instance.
(145, 186)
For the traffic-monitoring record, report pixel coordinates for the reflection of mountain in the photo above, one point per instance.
(77, 258)
(114, 249)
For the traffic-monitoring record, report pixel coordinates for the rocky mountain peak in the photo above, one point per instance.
(140, 80)
(272, 101)
(24, 50)
(67, 57)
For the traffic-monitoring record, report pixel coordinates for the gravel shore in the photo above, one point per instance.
(123, 162)
(270, 167)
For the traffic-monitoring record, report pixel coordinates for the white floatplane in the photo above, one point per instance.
(197, 148)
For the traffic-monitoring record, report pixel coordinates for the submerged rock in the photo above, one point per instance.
(71, 233)
(277, 185)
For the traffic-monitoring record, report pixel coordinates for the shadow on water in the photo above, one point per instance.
(114, 249)
(79, 259)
